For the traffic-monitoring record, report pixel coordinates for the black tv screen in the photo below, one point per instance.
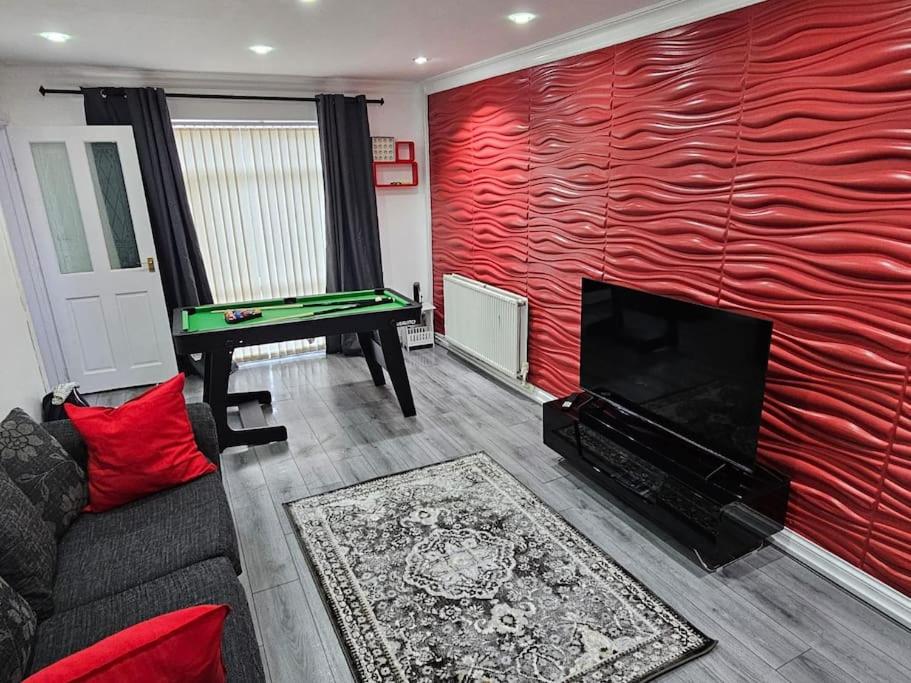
(693, 370)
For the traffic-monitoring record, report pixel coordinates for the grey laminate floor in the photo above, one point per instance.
(774, 619)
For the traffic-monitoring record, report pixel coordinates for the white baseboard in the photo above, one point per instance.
(856, 581)
(529, 390)
(843, 574)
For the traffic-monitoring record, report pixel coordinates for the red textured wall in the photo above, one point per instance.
(759, 160)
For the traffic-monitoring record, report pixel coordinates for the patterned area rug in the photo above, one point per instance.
(458, 572)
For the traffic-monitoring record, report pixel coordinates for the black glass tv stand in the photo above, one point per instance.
(715, 508)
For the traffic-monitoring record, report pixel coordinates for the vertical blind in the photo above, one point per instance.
(256, 193)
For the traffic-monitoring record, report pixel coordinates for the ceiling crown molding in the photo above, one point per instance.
(642, 22)
(75, 75)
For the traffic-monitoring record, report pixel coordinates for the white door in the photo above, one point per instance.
(90, 223)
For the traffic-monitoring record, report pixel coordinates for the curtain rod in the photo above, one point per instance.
(199, 96)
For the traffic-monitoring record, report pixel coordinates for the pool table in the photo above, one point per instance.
(372, 314)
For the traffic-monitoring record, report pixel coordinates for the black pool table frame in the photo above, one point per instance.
(376, 332)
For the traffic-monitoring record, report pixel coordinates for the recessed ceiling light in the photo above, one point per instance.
(261, 49)
(420, 60)
(522, 17)
(55, 37)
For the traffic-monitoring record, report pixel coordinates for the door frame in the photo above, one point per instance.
(27, 241)
(105, 284)
(31, 276)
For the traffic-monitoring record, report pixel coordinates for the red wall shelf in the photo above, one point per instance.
(404, 159)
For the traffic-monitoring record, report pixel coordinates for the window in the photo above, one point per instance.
(256, 193)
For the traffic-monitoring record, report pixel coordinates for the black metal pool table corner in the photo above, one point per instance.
(376, 331)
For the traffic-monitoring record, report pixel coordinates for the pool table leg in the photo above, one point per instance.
(369, 349)
(215, 393)
(394, 362)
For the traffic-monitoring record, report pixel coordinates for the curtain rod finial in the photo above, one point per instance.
(42, 90)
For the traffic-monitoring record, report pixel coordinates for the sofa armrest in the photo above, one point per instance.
(204, 430)
(69, 438)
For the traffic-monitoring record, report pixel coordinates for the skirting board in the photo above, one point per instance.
(514, 383)
(843, 574)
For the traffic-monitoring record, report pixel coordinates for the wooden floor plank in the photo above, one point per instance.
(355, 470)
(254, 377)
(266, 556)
(243, 476)
(368, 438)
(811, 667)
(245, 582)
(828, 636)
(294, 651)
(867, 623)
(325, 630)
(319, 473)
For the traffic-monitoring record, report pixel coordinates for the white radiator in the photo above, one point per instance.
(487, 324)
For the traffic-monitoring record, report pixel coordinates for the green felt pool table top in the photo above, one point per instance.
(317, 306)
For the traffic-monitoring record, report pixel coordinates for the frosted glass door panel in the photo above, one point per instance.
(55, 178)
(113, 205)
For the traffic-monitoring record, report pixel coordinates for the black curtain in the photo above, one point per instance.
(183, 274)
(352, 231)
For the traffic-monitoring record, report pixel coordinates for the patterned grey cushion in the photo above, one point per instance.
(17, 632)
(106, 553)
(27, 548)
(209, 582)
(38, 464)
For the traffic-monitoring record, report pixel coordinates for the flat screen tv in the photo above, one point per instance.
(692, 370)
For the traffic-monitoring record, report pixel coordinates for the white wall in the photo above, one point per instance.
(403, 216)
(21, 381)
(403, 219)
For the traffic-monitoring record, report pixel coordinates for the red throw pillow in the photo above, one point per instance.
(145, 445)
(181, 646)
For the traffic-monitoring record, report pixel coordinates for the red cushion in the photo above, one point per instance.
(178, 646)
(145, 445)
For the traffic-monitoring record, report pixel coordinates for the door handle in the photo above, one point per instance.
(150, 264)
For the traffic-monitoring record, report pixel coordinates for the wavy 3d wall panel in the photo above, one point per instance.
(759, 161)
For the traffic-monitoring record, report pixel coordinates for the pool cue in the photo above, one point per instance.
(308, 314)
(365, 302)
(353, 304)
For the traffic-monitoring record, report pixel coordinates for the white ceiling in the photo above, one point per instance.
(322, 38)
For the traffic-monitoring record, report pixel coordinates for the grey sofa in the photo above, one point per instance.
(170, 550)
